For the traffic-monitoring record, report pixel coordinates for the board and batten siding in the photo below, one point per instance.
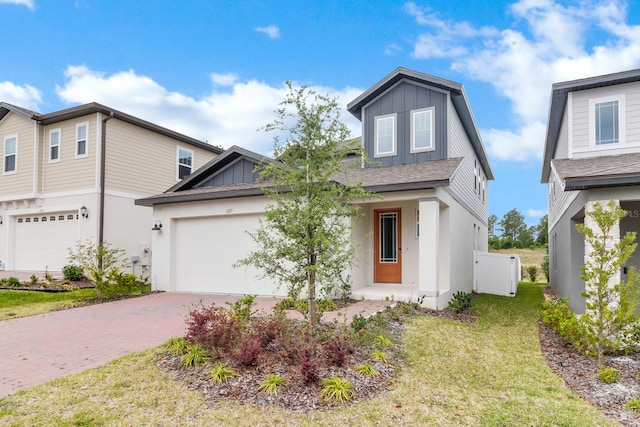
(562, 148)
(69, 173)
(238, 172)
(143, 162)
(578, 103)
(463, 183)
(20, 182)
(401, 99)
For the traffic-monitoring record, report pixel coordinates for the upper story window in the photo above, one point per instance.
(385, 136)
(606, 121)
(185, 162)
(10, 154)
(422, 130)
(607, 125)
(54, 145)
(82, 129)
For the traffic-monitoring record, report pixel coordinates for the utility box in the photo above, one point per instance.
(496, 274)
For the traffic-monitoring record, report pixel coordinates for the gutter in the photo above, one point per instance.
(103, 161)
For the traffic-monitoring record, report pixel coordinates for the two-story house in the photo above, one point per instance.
(592, 154)
(430, 169)
(74, 174)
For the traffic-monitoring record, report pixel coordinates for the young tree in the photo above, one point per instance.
(512, 226)
(304, 241)
(542, 231)
(610, 303)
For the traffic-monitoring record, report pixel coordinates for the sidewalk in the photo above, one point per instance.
(41, 348)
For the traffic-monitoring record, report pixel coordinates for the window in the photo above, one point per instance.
(185, 162)
(10, 154)
(422, 130)
(607, 130)
(417, 223)
(385, 135)
(81, 139)
(54, 145)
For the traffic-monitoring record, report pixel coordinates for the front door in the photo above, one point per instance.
(388, 246)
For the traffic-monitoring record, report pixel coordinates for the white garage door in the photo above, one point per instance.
(42, 241)
(207, 248)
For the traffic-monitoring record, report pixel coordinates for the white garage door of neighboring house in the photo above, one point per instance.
(42, 241)
(207, 248)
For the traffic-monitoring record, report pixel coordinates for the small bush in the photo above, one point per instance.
(532, 273)
(118, 284)
(221, 373)
(367, 370)
(634, 404)
(337, 350)
(73, 272)
(608, 375)
(557, 315)
(177, 346)
(33, 280)
(242, 308)
(380, 356)
(271, 384)
(285, 304)
(545, 267)
(248, 351)
(213, 328)
(269, 328)
(327, 305)
(336, 389)
(13, 282)
(195, 356)
(309, 369)
(383, 342)
(358, 322)
(460, 302)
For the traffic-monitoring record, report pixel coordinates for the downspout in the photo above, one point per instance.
(103, 162)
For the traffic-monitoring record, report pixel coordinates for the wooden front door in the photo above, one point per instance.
(388, 246)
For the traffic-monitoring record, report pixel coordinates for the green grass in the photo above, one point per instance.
(28, 303)
(489, 373)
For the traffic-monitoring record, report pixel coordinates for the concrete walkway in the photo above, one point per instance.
(41, 348)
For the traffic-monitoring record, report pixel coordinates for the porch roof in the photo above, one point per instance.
(413, 176)
(599, 172)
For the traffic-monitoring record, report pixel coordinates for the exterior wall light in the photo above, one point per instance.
(84, 212)
(157, 226)
(1, 219)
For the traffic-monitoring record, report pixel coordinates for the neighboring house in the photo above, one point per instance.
(416, 240)
(74, 174)
(592, 154)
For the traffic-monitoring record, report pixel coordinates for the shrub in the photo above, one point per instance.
(358, 322)
(117, 284)
(33, 280)
(13, 282)
(380, 356)
(213, 328)
(608, 375)
(545, 267)
(532, 273)
(177, 346)
(221, 373)
(336, 389)
(248, 351)
(460, 301)
(195, 355)
(337, 350)
(269, 328)
(241, 309)
(73, 272)
(557, 315)
(309, 369)
(383, 342)
(271, 384)
(634, 404)
(327, 305)
(285, 304)
(367, 369)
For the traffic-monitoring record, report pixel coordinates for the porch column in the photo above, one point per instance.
(589, 222)
(428, 244)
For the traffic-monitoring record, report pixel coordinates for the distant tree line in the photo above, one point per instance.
(512, 232)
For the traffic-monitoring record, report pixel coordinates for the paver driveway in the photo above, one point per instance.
(37, 349)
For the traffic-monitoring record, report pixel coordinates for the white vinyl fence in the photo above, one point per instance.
(496, 274)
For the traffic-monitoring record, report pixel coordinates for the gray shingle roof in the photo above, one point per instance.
(375, 179)
(603, 171)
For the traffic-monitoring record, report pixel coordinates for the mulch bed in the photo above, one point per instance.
(55, 285)
(580, 373)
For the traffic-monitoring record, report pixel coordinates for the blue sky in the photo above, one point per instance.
(215, 70)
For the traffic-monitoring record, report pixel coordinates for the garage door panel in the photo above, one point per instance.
(42, 242)
(205, 251)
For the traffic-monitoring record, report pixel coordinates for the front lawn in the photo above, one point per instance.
(15, 304)
(487, 373)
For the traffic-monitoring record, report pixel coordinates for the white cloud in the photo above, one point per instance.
(392, 49)
(548, 42)
(224, 118)
(28, 3)
(23, 96)
(272, 31)
(536, 213)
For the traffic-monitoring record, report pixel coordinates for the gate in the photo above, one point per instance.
(496, 274)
